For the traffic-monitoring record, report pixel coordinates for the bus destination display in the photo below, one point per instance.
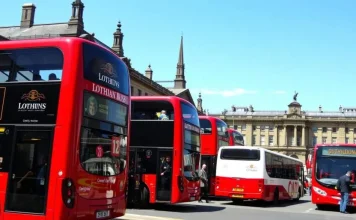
(103, 109)
(339, 151)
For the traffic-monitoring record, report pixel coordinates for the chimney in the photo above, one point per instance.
(320, 108)
(149, 72)
(28, 15)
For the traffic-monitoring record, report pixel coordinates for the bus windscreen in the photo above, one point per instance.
(240, 154)
(333, 162)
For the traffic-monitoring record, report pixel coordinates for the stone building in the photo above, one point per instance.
(293, 132)
(141, 84)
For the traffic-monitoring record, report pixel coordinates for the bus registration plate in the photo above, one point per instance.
(237, 196)
(102, 214)
(349, 203)
(237, 190)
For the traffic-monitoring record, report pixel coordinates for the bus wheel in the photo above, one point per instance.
(144, 201)
(320, 207)
(237, 201)
(276, 197)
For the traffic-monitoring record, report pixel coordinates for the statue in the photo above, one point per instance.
(295, 96)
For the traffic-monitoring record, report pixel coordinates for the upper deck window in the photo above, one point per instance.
(105, 68)
(205, 126)
(33, 64)
(152, 110)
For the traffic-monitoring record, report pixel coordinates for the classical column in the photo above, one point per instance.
(285, 135)
(303, 136)
(295, 136)
(275, 141)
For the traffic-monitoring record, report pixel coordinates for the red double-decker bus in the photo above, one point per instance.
(330, 162)
(214, 134)
(235, 138)
(164, 151)
(63, 130)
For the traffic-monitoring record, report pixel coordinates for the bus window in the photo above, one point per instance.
(240, 154)
(205, 126)
(151, 110)
(30, 64)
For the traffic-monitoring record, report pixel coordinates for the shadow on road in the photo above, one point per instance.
(264, 204)
(185, 208)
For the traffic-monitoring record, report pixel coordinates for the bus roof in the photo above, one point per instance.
(30, 43)
(159, 98)
(210, 118)
(261, 149)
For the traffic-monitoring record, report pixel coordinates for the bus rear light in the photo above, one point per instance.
(180, 183)
(68, 195)
(217, 180)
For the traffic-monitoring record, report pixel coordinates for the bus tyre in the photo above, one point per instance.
(144, 200)
(276, 197)
(298, 197)
(237, 201)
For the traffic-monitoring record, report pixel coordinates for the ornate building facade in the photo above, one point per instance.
(141, 84)
(294, 131)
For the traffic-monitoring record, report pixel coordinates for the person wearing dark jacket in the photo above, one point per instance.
(343, 185)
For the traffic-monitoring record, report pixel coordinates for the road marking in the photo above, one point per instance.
(309, 210)
(145, 217)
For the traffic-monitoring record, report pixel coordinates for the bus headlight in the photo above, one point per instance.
(319, 191)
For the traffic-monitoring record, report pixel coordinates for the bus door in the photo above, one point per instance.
(210, 162)
(29, 170)
(164, 175)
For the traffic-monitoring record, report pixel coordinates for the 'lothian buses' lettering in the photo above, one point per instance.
(108, 80)
(109, 93)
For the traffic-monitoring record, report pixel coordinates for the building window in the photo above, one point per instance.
(262, 140)
(323, 140)
(146, 94)
(346, 140)
(346, 130)
(334, 130)
(290, 141)
(139, 92)
(262, 127)
(270, 140)
(334, 140)
(298, 141)
(315, 140)
(132, 90)
(235, 127)
(243, 127)
(354, 141)
(315, 129)
(325, 129)
(254, 140)
(254, 127)
(271, 127)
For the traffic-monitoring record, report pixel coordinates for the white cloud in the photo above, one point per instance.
(279, 92)
(225, 93)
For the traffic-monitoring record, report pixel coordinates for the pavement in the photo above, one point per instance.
(225, 210)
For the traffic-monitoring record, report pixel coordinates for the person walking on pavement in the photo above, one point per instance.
(343, 186)
(203, 184)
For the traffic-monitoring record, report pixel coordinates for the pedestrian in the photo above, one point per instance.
(343, 186)
(203, 184)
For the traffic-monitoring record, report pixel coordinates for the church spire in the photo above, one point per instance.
(118, 38)
(179, 82)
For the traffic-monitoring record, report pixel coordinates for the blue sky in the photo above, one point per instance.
(236, 52)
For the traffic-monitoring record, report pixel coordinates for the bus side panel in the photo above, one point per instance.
(212, 184)
(150, 181)
(3, 184)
